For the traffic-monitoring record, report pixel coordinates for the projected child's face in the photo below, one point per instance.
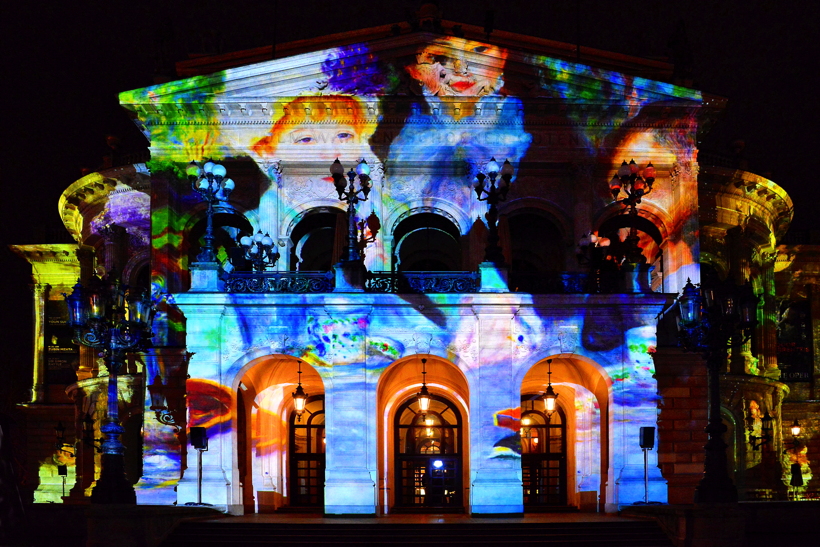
(457, 67)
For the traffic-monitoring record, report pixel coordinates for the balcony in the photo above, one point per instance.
(596, 282)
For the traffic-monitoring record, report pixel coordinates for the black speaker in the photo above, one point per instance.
(647, 437)
(199, 438)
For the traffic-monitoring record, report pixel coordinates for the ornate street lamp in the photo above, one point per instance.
(61, 445)
(351, 195)
(116, 320)
(210, 183)
(635, 185)
(423, 396)
(260, 251)
(299, 396)
(494, 195)
(550, 397)
(796, 430)
(709, 320)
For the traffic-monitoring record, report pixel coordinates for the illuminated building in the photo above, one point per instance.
(434, 308)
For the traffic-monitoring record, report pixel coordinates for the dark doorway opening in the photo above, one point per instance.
(428, 457)
(543, 456)
(306, 482)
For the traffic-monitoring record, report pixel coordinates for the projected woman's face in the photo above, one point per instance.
(322, 143)
(457, 67)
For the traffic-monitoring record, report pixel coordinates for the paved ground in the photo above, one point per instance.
(420, 518)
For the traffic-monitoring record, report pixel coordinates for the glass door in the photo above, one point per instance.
(307, 455)
(543, 456)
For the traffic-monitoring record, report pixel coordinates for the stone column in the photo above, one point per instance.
(165, 372)
(38, 390)
(204, 336)
(496, 484)
(350, 472)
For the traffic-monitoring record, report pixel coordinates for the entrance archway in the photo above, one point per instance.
(428, 455)
(573, 470)
(269, 450)
(401, 426)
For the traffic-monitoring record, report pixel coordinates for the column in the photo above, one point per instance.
(350, 473)
(496, 484)
(38, 390)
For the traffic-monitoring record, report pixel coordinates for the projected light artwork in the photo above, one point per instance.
(427, 117)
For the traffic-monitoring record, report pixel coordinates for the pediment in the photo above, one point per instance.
(417, 64)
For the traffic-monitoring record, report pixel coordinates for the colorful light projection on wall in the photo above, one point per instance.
(461, 101)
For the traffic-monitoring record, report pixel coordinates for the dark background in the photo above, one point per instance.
(65, 62)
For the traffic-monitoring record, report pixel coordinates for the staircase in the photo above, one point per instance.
(574, 534)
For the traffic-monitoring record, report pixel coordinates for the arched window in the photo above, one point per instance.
(427, 242)
(536, 249)
(318, 240)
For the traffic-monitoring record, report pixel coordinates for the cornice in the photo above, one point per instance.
(86, 197)
(733, 197)
(55, 264)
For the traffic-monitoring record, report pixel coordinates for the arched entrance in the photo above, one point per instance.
(307, 455)
(428, 455)
(431, 451)
(543, 455)
(567, 466)
(280, 459)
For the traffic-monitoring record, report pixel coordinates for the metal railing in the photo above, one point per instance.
(279, 282)
(595, 282)
(422, 282)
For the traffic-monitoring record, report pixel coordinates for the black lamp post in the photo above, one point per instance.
(115, 319)
(260, 251)
(635, 185)
(709, 320)
(494, 195)
(351, 195)
(210, 183)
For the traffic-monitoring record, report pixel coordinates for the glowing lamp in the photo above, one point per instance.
(423, 396)
(299, 396)
(550, 398)
(227, 186)
(796, 429)
(267, 241)
(479, 184)
(245, 241)
(624, 170)
(639, 185)
(424, 399)
(633, 167)
(218, 170)
(258, 236)
(208, 167)
(492, 167)
(689, 303)
(363, 169)
(549, 395)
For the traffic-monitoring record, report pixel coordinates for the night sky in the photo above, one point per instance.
(66, 62)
